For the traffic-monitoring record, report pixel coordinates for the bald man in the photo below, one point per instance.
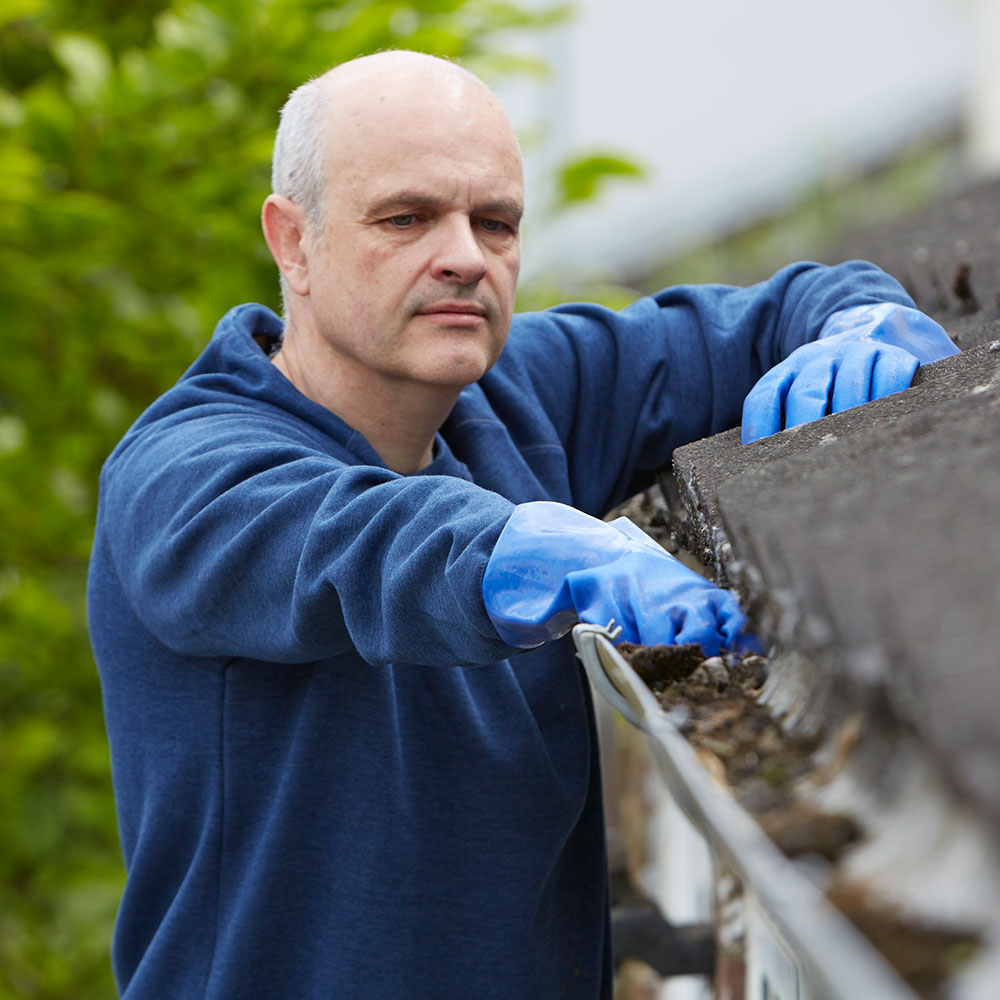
(353, 753)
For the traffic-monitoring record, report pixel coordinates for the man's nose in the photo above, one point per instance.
(458, 255)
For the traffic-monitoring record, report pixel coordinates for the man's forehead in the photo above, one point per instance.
(439, 155)
(407, 131)
(401, 103)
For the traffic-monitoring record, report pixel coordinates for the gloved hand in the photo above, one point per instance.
(553, 566)
(862, 353)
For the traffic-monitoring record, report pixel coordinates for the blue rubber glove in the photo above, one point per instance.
(553, 566)
(862, 353)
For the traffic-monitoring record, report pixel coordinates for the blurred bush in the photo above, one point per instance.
(134, 154)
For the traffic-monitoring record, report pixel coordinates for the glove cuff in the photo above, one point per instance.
(525, 587)
(889, 323)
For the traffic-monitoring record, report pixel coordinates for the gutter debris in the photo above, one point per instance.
(715, 703)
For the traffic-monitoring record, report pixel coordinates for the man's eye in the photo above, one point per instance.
(491, 225)
(402, 221)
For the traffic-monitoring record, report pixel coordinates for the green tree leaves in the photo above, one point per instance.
(135, 141)
(582, 178)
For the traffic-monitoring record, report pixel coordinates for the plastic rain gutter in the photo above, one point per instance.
(837, 961)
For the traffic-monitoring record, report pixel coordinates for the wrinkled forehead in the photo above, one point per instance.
(417, 117)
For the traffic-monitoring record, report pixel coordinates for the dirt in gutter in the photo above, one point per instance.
(714, 703)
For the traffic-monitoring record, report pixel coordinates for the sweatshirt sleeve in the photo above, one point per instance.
(232, 535)
(624, 389)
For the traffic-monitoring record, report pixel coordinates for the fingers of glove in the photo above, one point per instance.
(655, 599)
(652, 628)
(702, 627)
(677, 624)
(704, 617)
(893, 372)
(809, 395)
(764, 405)
(653, 596)
(732, 624)
(659, 598)
(727, 619)
(736, 639)
(711, 619)
(853, 382)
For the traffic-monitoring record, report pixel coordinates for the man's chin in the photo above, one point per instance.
(461, 368)
(458, 376)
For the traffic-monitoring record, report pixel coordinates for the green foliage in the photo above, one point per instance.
(581, 178)
(578, 181)
(134, 154)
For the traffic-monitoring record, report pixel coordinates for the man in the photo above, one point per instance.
(319, 554)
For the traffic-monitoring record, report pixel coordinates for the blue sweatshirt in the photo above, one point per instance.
(333, 779)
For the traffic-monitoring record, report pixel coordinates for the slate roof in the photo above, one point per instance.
(869, 542)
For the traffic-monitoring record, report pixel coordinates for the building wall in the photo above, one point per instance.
(732, 107)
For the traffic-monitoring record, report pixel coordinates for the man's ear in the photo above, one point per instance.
(284, 223)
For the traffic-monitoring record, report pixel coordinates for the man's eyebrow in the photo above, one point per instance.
(504, 206)
(412, 198)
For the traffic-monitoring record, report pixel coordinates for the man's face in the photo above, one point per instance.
(413, 276)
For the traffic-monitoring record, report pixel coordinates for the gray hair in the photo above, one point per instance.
(297, 162)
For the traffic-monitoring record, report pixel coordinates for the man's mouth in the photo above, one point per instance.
(458, 308)
(454, 314)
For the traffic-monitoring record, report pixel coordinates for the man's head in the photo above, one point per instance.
(394, 221)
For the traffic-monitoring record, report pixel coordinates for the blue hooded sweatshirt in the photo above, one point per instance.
(333, 779)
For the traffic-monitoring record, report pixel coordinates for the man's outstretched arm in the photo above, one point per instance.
(624, 389)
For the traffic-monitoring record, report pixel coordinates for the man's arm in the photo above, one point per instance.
(266, 550)
(624, 389)
(230, 539)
